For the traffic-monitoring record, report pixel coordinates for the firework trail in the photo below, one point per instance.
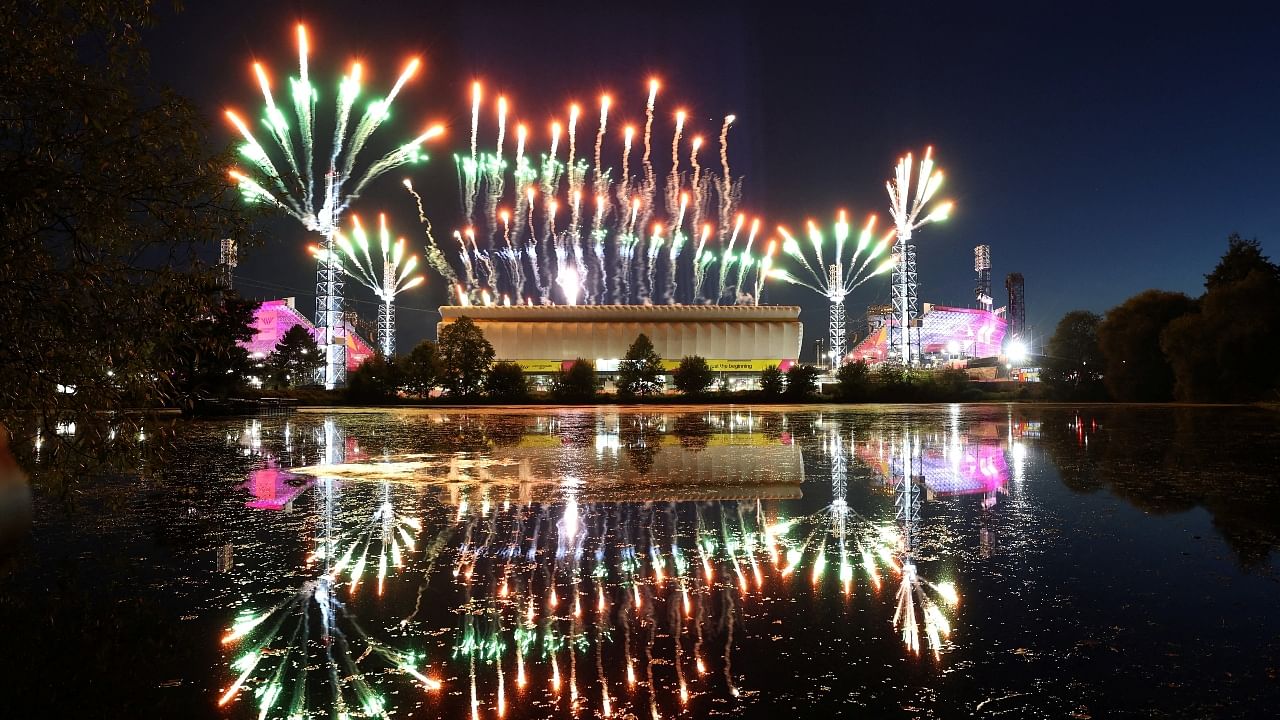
(746, 260)
(604, 121)
(766, 263)
(435, 256)
(648, 133)
(727, 263)
(609, 247)
(294, 190)
(845, 273)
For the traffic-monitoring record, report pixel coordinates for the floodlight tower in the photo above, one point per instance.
(282, 174)
(982, 266)
(1017, 315)
(227, 261)
(905, 212)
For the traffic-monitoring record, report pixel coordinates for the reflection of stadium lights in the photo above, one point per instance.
(1017, 351)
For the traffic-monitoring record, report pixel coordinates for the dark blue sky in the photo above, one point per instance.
(1099, 150)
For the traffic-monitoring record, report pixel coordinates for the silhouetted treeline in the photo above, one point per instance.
(1159, 346)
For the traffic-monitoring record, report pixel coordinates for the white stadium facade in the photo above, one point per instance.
(738, 340)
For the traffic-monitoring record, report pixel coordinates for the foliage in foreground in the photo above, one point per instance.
(109, 197)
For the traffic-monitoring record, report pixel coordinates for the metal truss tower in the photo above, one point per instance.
(982, 266)
(387, 313)
(836, 320)
(1017, 316)
(904, 340)
(329, 318)
(227, 261)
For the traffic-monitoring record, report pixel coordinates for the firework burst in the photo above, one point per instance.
(286, 176)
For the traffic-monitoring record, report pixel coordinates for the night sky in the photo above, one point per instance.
(1100, 151)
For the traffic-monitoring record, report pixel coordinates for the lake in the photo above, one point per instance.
(1002, 561)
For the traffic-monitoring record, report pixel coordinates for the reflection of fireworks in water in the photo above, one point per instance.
(549, 590)
(920, 602)
(276, 657)
(858, 543)
(630, 243)
(388, 534)
(611, 607)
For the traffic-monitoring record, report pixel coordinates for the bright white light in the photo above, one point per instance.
(1016, 351)
(953, 347)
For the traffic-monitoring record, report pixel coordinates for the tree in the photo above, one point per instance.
(640, 371)
(208, 358)
(465, 357)
(295, 360)
(577, 384)
(108, 196)
(1226, 351)
(421, 369)
(375, 381)
(853, 381)
(771, 382)
(693, 376)
(506, 383)
(1073, 361)
(802, 382)
(1242, 258)
(1136, 369)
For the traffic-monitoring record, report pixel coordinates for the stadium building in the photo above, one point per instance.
(738, 340)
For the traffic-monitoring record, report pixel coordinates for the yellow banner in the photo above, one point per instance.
(742, 366)
(539, 366)
(736, 366)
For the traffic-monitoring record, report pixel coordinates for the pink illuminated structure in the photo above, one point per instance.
(274, 318)
(944, 331)
(271, 488)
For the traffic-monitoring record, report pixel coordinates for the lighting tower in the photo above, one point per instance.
(982, 266)
(905, 212)
(387, 313)
(1017, 306)
(227, 260)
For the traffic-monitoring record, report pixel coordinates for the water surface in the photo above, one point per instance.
(945, 561)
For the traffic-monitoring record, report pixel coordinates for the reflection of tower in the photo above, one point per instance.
(906, 493)
(1017, 306)
(839, 471)
(982, 266)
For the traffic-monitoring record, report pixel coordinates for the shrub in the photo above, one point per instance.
(694, 376)
(506, 383)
